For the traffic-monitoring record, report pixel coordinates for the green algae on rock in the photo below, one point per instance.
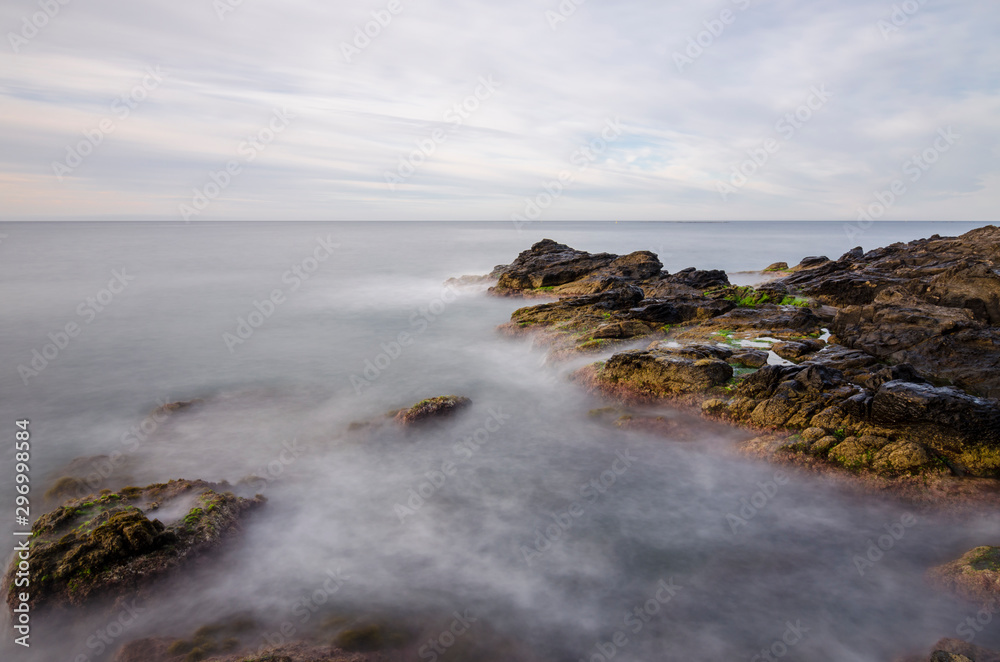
(105, 545)
(975, 576)
(431, 408)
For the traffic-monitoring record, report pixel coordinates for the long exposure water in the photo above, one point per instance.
(568, 538)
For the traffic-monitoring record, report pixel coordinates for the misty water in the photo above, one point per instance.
(514, 534)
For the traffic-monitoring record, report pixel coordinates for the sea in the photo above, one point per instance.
(535, 521)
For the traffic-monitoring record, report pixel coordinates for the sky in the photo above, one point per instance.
(523, 110)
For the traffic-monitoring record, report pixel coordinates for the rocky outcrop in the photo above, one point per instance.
(932, 303)
(946, 344)
(974, 577)
(549, 264)
(904, 384)
(956, 650)
(106, 545)
(431, 408)
(663, 371)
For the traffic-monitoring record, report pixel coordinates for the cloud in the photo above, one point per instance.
(685, 127)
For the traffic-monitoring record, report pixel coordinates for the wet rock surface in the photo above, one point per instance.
(975, 576)
(111, 545)
(432, 408)
(904, 382)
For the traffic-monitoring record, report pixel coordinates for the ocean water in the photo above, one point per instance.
(548, 527)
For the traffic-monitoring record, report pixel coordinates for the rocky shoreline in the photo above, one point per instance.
(881, 368)
(884, 362)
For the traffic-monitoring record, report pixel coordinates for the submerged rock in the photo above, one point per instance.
(173, 407)
(431, 408)
(956, 650)
(107, 546)
(974, 577)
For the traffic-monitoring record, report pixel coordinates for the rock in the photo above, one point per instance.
(812, 435)
(106, 545)
(796, 350)
(621, 330)
(548, 264)
(933, 303)
(679, 309)
(778, 266)
(636, 266)
(823, 445)
(713, 405)
(975, 576)
(960, 651)
(698, 279)
(695, 352)
(432, 408)
(901, 456)
(812, 262)
(944, 416)
(771, 320)
(173, 407)
(942, 656)
(657, 311)
(854, 254)
(906, 376)
(857, 452)
(656, 373)
(947, 344)
(751, 358)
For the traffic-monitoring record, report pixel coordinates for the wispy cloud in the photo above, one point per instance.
(683, 129)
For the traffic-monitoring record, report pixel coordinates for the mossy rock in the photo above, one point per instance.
(975, 576)
(857, 452)
(432, 408)
(980, 461)
(105, 545)
(901, 456)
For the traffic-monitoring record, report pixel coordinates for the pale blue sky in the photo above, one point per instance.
(546, 89)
